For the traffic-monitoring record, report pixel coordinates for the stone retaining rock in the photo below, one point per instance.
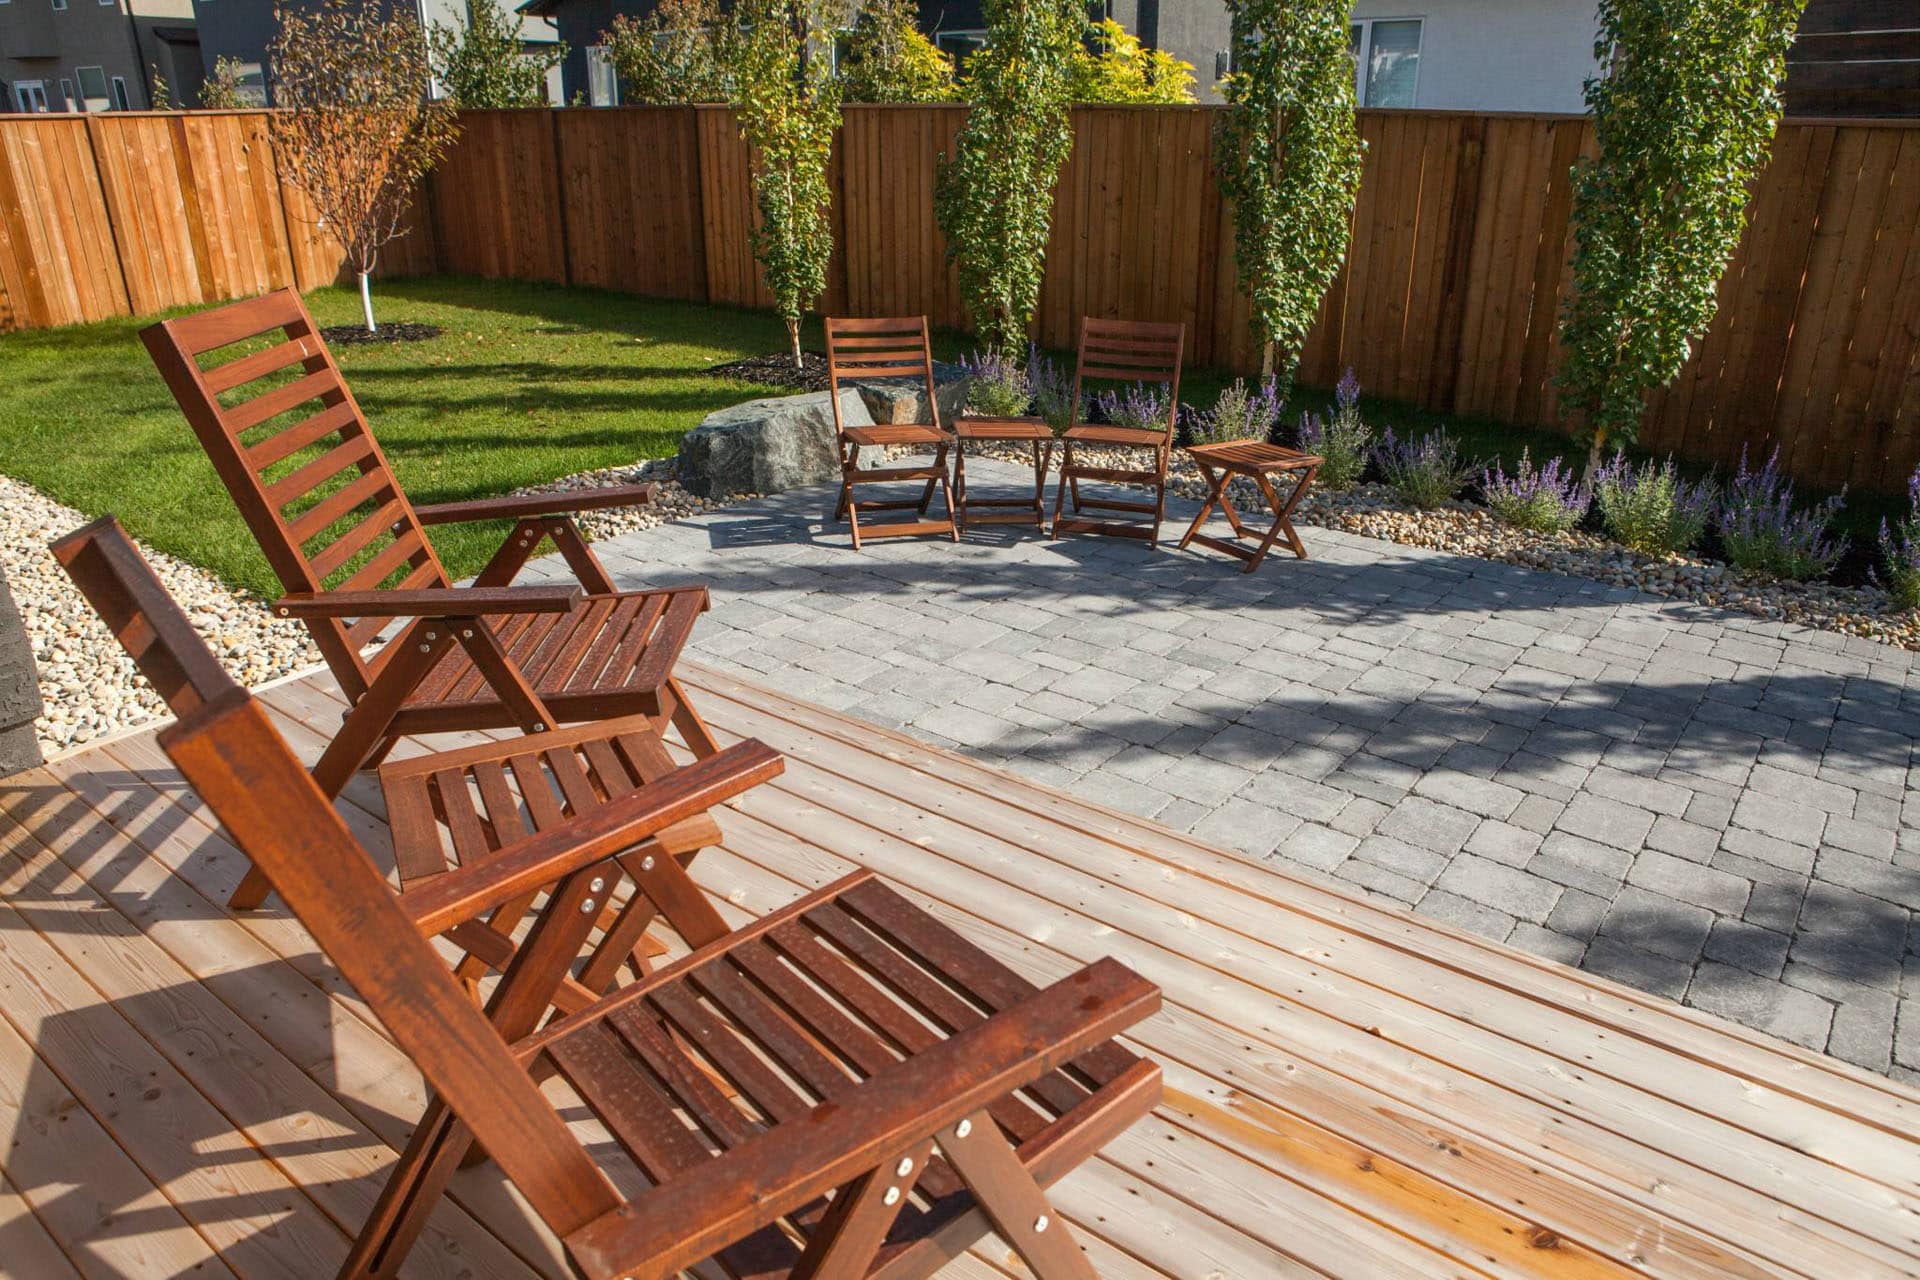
(767, 446)
(905, 399)
(20, 702)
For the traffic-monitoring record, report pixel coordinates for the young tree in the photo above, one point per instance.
(221, 91)
(1119, 69)
(1289, 158)
(789, 107)
(486, 64)
(994, 199)
(681, 52)
(888, 60)
(1684, 110)
(355, 131)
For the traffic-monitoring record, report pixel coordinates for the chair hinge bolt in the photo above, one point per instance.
(426, 648)
(646, 863)
(586, 906)
(538, 727)
(1040, 1224)
(904, 1168)
(598, 884)
(892, 1196)
(962, 1129)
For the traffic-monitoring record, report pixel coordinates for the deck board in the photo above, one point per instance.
(1351, 1090)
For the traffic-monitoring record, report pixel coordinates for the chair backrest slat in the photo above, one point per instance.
(1130, 351)
(892, 347)
(293, 448)
(247, 775)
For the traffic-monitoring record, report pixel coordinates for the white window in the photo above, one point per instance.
(960, 45)
(59, 5)
(67, 102)
(1386, 61)
(93, 88)
(31, 94)
(120, 102)
(251, 83)
(603, 82)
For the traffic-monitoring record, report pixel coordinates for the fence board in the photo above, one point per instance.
(1449, 297)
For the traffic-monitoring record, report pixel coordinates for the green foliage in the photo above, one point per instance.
(788, 103)
(1119, 69)
(221, 90)
(888, 60)
(994, 199)
(1649, 508)
(683, 51)
(997, 385)
(486, 64)
(1684, 112)
(1343, 441)
(1424, 472)
(1289, 157)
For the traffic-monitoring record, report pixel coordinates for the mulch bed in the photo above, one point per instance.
(777, 370)
(397, 331)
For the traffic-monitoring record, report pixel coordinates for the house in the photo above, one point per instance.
(242, 30)
(95, 55)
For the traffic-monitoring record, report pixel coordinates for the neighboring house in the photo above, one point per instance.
(242, 30)
(94, 55)
(1856, 58)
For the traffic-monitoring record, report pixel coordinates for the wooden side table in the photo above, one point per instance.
(1259, 462)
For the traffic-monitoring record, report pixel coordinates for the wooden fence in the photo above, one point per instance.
(1458, 266)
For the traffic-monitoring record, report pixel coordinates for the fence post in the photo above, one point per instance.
(113, 232)
(1444, 374)
(560, 194)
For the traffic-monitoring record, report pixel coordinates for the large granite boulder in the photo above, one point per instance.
(19, 690)
(766, 446)
(905, 399)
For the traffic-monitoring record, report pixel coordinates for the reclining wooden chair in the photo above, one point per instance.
(1126, 351)
(299, 460)
(463, 808)
(862, 349)
(844, 1087)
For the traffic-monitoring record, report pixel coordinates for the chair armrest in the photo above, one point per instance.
(435, 602)
(520, 506)
(694, 1215)
(529, 865)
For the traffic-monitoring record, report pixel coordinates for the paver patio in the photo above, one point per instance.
(1705, 805)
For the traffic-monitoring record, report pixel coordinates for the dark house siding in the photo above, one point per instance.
(1856, 58)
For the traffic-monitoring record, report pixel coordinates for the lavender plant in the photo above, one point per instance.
(1141, 406)
(1764, 533)
(1343, 440)
(1425, 472)
(1240, 413)
(1650, 508)
(1900, 551)
(1052, 388)
(997, 386)
(1545, 499)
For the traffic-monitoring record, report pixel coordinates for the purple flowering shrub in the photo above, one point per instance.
(997, 387)
(1764, 533)
(1052, 389)
(1343, 440)
(1650, 508)
(1900, 550)
(1547, 499)
(1141, 405)
(1240, 413)
(1425, 472)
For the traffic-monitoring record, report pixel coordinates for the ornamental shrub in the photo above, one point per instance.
(1545, 499)
(998, 387)
(1425, 472)
(1900, 550)
(888, 60)
(1114, 67)
(1052, 388)
(1649, 508)
(683, 51)
(1684, 111)
(1142, 406)
(1763, 533)
(1289, 159)
(1240, 413)
(486, 64)
(1343, 442)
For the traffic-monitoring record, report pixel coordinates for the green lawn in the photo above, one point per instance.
(528, 383)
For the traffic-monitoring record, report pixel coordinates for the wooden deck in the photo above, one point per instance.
(1350, 1091)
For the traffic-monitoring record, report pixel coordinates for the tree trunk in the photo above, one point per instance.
(366, 299)
(1266, 359)
(1594, 450)
(793, 339)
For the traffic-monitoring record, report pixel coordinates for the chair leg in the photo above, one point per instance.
(946, 488)
(693, 730)
(407, 1201)
(856, 1223)
(1060, 490)
(960, 485)
(1013, 1201)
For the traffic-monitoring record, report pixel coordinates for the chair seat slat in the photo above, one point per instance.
(761, 1023)
(373, 486)
(632, 1107)
(674, 630)
(606, 639)
(381, 567)
(377, 524)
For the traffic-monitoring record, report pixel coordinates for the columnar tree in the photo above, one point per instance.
(681, 52)
(1289, 156)
(355, 131)
(888, 60)
(1684, 110)
(994, 199)
(788, 103)
(486, 64)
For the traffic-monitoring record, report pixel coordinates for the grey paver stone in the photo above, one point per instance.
(1661, 975)
(1747, 946)
(1497, 885)
(1784, 1011)
(1463, 913)
(1654, 922)
(1690, 882)
(1609, 822)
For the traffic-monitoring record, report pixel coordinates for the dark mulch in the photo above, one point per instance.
(777, 370)
(395, 331)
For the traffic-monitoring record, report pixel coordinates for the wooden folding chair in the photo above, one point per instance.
(298, 458)
(844, 1087)
(1123, 351)
(898, 348)
(468, 807)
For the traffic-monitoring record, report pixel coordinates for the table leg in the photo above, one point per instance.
(1282, 518)
(1216, 486)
